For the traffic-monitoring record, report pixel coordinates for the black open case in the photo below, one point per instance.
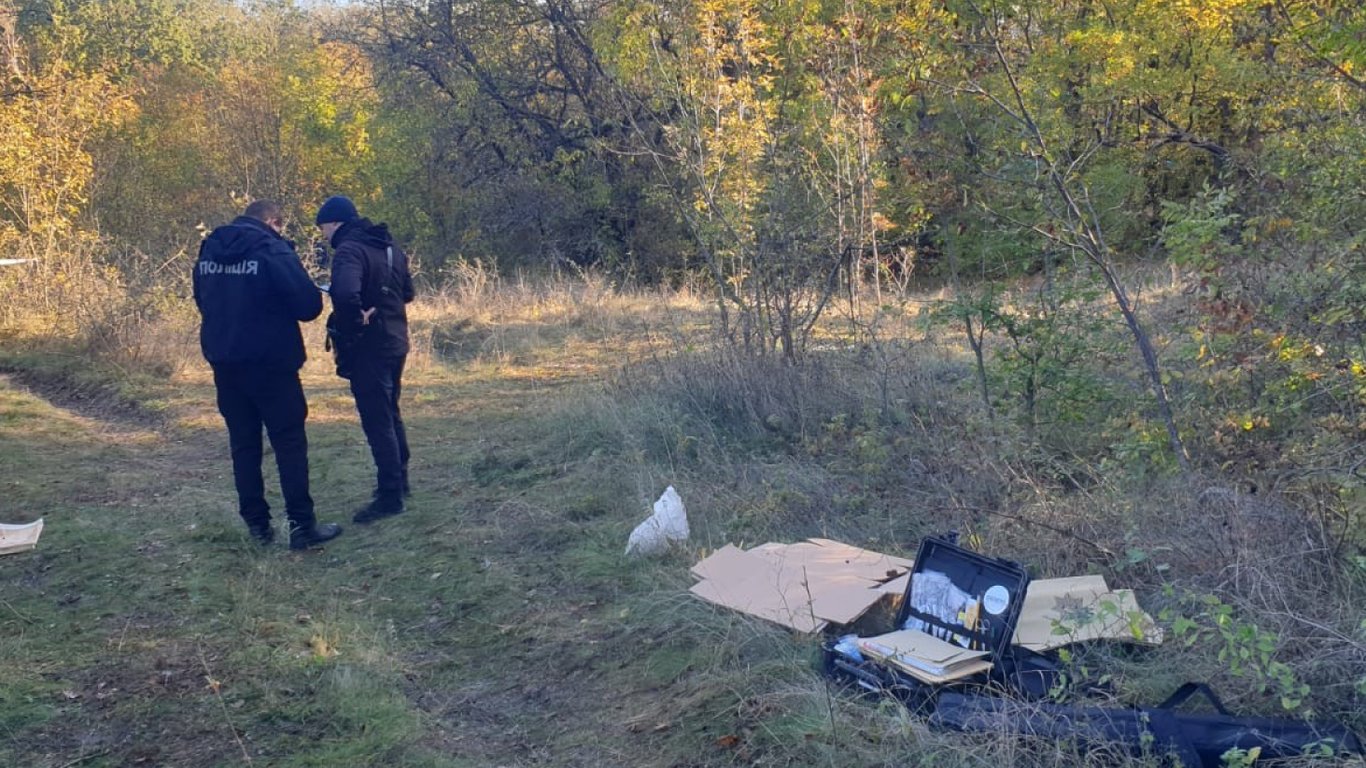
(997, 585)
(994, 585)
(1015, 695)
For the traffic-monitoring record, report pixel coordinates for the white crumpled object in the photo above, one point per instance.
(668, 524)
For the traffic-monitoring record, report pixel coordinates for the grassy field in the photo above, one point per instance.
(498, 623)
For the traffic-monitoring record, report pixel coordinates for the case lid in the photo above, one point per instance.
(963, 597)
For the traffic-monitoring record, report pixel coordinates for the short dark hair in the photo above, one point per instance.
(263, 210)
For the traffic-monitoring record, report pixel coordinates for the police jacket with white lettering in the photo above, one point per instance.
(252, 292)
(369, 270)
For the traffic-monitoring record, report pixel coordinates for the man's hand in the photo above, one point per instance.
(366, 314)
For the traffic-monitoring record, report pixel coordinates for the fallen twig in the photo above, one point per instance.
(83, 758)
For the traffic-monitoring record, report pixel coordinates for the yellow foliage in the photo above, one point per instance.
(726, 81)
(46, 169)
(45, 163)
(1203, 15)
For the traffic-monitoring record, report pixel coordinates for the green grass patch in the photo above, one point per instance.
(498, 621)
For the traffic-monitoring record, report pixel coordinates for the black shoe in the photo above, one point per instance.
(382, 506)
(262, 533)
(303, 537)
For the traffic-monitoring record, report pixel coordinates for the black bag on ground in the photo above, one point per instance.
(1193, 739)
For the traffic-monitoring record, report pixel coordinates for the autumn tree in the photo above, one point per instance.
(528, 132)
(51, 114)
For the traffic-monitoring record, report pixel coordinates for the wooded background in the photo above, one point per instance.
(788, 157)
(1142, 221)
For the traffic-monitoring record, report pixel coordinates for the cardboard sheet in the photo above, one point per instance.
(840, 561)
(897, 586)
(789, 609)
(803, 585)
(844, 603)
(727, 562)
(885, 565)
(19, 538)
(1059, 612)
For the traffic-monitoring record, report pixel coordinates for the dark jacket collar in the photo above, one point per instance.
(369, 234)
(257, 224)
(238, 240)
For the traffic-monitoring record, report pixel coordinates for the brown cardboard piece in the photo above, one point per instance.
(766, 601)
(804, 586)
(897, 586)
(832, 559)
(728, 562)
(884, 566)
(1059, 612)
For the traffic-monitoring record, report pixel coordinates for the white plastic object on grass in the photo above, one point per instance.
(668, 524)
(21, 537)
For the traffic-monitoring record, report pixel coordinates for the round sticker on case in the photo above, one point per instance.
(996, 600)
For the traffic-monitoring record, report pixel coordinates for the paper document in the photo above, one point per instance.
(918, 651)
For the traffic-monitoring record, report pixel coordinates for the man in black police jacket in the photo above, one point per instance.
(369, 328)
(252, 292)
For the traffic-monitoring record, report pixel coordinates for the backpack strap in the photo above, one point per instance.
(375, 284)
(1182, 695)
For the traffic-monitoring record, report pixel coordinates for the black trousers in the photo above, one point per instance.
(251, 398)
(376, 383)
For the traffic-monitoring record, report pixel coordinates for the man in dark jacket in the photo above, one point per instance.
(369, 327)
(252, 292)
